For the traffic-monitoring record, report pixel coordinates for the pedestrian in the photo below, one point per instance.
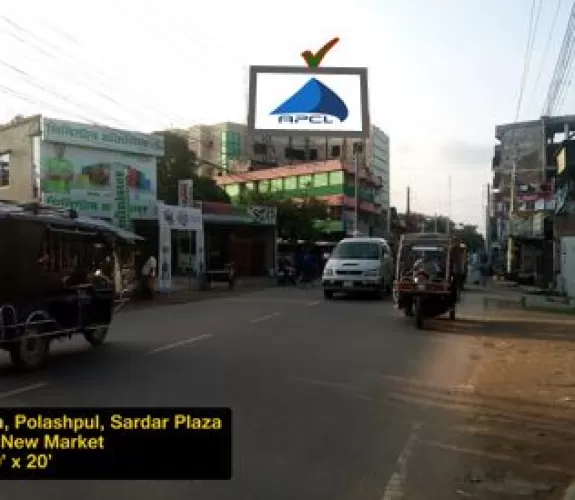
(149, 274)
(484, 270)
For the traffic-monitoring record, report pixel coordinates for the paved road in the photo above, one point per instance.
(326, 396)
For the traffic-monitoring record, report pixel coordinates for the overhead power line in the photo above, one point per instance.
(544, 54)
(562, 67)
(531, 35)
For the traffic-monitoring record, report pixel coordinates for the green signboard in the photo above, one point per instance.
(121, 211)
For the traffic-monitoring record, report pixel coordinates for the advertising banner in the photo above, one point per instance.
(164, 251)
(180, 218)
(121, 199)
(96, 137)
(185, 192)
(83, 179)
(287, 101)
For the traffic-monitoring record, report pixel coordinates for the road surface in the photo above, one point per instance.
(327, 396)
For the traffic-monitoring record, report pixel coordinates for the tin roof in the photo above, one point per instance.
(62, 217)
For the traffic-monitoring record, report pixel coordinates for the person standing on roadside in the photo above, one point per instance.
(149, 274)
(484, 269)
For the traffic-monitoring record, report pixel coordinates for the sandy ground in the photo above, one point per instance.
(521, 397)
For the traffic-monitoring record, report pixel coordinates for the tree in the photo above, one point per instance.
(468, 233)
(296, 220)
(470, 236)
(180, 163)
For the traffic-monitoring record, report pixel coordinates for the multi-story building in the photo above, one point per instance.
(216, 146)
(523, 198)
(320, 167)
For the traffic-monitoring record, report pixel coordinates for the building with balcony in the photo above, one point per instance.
(227, 152)
(332, 182)
(523, 199)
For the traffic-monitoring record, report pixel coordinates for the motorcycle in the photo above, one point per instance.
(287, 276)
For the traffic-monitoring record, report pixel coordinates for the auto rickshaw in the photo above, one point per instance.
(62, 278)
(427, 276)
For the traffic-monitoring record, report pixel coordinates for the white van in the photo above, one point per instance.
(359, 265)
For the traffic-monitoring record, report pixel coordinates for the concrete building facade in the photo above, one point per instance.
(226, 149)
(523, 201)
(19, 151)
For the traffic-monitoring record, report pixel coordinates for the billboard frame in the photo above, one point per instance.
(298, 70)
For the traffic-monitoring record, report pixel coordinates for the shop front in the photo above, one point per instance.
(244, 236)
(180, 232)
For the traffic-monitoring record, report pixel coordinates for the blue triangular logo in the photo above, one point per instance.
(314, 97)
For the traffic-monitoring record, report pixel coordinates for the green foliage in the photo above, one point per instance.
(180, 163)
(468, 233)
(295, 221)
(470, 236)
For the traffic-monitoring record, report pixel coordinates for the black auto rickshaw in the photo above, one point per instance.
(427, 275)
(62, 278)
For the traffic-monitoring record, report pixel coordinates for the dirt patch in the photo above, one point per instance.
(523, 423)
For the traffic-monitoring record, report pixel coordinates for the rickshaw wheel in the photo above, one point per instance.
(418, 316)
(419, 321)
(96, 337)
(29, 353)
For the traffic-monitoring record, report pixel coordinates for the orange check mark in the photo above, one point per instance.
(314, 60)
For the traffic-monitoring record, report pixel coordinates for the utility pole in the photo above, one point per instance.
(435, 225)
(449, 207)
(488, 219)
(510, 242)
(356, 151)
(408, 209)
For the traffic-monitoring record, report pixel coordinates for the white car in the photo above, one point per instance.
(359, 265)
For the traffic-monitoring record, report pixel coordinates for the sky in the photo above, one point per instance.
(442, 74)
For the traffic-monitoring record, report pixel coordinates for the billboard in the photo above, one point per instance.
(287, 101)
(100, 137)
(85, 179)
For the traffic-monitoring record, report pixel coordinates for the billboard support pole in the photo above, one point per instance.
(356, 195)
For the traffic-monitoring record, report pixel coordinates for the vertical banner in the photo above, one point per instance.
(164, 249)
(185, 192)
(121, 198)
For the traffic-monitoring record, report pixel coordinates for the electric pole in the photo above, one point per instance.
(408, 210)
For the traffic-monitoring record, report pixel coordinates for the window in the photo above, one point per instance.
(295, 154)
(250, 186)
(357, 250)
(233, 190)
(313, 154)
(233, 142)
(290, 183)
(260, 149)
(277, 185)
(264, 186)
(320, 180)
(336, 178)
(4, 169)
(305, 181)
(230, 148)
(336, 151)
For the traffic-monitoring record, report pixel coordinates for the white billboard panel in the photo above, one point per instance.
(287, 101)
